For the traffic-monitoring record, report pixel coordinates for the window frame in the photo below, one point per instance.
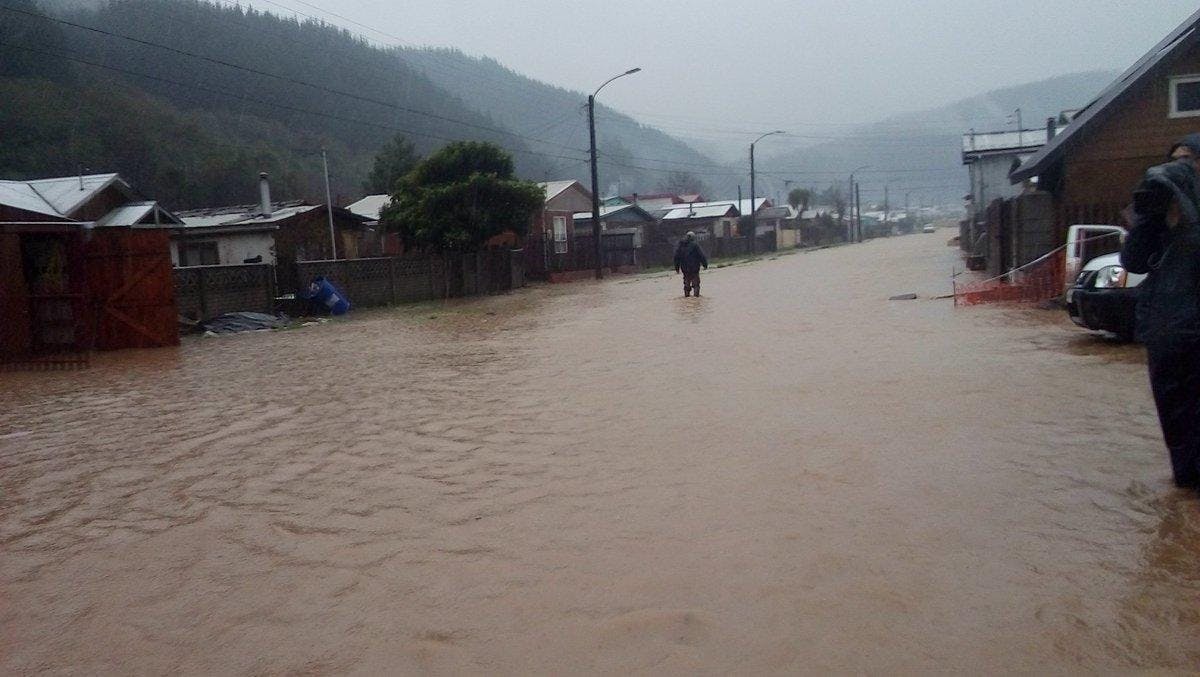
(1173, 94)
(189, 249)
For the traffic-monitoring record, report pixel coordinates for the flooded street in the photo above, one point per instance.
(791, 474)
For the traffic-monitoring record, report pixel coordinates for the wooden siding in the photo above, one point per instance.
(131, 288)
(1101, 171)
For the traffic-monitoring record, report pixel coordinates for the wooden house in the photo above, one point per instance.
(84, 263)
(279, 232)
(1091, 167)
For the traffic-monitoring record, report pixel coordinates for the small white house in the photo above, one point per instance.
(212, 240)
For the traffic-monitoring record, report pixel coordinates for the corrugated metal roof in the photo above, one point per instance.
(1184, 34)
(66, 194)
(553, 188)
(699, 211)
(243, 214)
(743, 206)
(20, 195)
(127, 215)
(59, 196)
(370, 206)
(606, 210)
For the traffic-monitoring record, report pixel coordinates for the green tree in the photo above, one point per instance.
(460, 197)
(799, 198)
(397, 158)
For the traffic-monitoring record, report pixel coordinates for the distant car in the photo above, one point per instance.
(1103, 294)
(929, 229)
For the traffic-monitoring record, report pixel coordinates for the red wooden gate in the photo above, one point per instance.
(131, 289)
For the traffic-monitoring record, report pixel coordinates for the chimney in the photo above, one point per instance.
(635, 198)
(264, 194)
(1051, 129)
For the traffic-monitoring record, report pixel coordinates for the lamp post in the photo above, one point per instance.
(753, 217)
(595, 172)
(850, 230)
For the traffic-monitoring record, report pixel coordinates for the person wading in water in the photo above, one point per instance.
(1165, 243)
(688, 260)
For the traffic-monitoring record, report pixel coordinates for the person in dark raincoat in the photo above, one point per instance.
(688, 260)
(1165, 244)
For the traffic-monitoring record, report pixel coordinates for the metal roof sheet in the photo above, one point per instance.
(606, 210)
(553, 188)
(67, 193)
(699, 211)
(20, 195)
(370, 206)
(127, 215)
(743, 206)
(243, 214)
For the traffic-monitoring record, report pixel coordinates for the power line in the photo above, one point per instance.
(264, 102)
(289, 79)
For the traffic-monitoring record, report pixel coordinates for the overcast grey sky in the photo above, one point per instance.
(776, 62)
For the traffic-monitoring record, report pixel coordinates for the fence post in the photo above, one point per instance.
(392, 279)
(202, 294)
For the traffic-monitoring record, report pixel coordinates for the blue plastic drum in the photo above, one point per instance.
(325, 293)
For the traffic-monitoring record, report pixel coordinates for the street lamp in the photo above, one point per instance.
(753, 217)
(851, 231)
(595, 172)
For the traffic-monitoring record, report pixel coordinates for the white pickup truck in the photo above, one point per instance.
(1100, 293)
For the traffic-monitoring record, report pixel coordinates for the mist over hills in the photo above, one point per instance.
(190, 100)
(924, 147)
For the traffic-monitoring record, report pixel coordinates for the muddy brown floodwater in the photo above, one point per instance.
(791, 474)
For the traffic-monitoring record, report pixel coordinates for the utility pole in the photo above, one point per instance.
(753, 215)
(850, 229)
(329, 205)
(753, 221)
(596, 174)
(858, 208)
(595, 188)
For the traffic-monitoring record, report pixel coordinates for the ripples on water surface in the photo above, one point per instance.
(791, 474)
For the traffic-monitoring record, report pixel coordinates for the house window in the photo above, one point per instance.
(560, 235)
(1185, 96)
(198, 254)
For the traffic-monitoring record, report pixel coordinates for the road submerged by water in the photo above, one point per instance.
(791, 474)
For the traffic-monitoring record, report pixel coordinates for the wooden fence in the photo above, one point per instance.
(204, 292)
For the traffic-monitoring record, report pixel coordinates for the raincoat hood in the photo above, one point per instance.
(1180, 178)
(1192, 141)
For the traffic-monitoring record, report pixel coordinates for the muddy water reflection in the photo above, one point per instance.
(606, 478)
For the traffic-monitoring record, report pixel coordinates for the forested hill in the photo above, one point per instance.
(191, 100)
(632, 156)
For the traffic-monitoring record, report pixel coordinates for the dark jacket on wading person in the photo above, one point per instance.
(688, 260)
(1165, 243)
